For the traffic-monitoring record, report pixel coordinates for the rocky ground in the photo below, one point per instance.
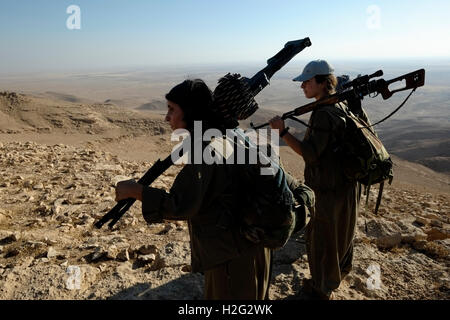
(51, 195)
(59, 162)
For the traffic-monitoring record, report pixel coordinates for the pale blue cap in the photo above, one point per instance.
(315, 68)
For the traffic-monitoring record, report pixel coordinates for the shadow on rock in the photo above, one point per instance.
(186, 287)
(290, 268)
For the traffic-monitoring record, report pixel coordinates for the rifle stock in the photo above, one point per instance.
(412, 80)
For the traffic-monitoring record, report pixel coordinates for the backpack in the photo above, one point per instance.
(304, 208)
(364, 157)
(264, 204)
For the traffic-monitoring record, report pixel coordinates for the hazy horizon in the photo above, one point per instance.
(298, 62)
(437, 73)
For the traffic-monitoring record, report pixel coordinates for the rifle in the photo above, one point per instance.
(123, 205)
(357, 89)
(258, 82)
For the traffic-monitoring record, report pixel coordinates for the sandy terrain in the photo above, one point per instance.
(60, 159)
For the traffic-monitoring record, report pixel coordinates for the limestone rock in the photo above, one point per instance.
(437, 234)
(28, 184)
(432, 216)
(52, 253)
(38, 186)
(97, 254)
(432, 249)
(386, 234)
(10, 239)
(124, 270)
(123, 255)
(418, 235)
(148, 249)
(389, 241)
(175, 253)
(112, 252)
(148, 258)
(422, 221)
(58, 205)
(50, 241)
(43, 209)
(12, 253)
(436, 223)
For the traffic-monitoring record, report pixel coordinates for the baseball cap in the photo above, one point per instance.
(314, 68)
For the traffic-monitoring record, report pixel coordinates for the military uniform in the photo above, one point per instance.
(202, 194)
(331, 229)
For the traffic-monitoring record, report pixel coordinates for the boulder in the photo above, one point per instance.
(386, 234)
(389, 241)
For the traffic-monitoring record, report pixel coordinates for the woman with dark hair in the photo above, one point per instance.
(330, 232)
(202, 194)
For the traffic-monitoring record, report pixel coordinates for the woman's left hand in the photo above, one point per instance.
(277, 123)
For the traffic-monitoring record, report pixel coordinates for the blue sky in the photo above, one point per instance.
(117, 33)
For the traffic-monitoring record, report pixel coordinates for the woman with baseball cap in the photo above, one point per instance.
(331, 229)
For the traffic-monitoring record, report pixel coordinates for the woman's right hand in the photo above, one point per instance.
(128, 189)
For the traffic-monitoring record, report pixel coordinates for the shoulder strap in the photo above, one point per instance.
(314, 128)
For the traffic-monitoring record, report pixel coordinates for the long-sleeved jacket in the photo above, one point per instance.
(323, 170)
(202, 194)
